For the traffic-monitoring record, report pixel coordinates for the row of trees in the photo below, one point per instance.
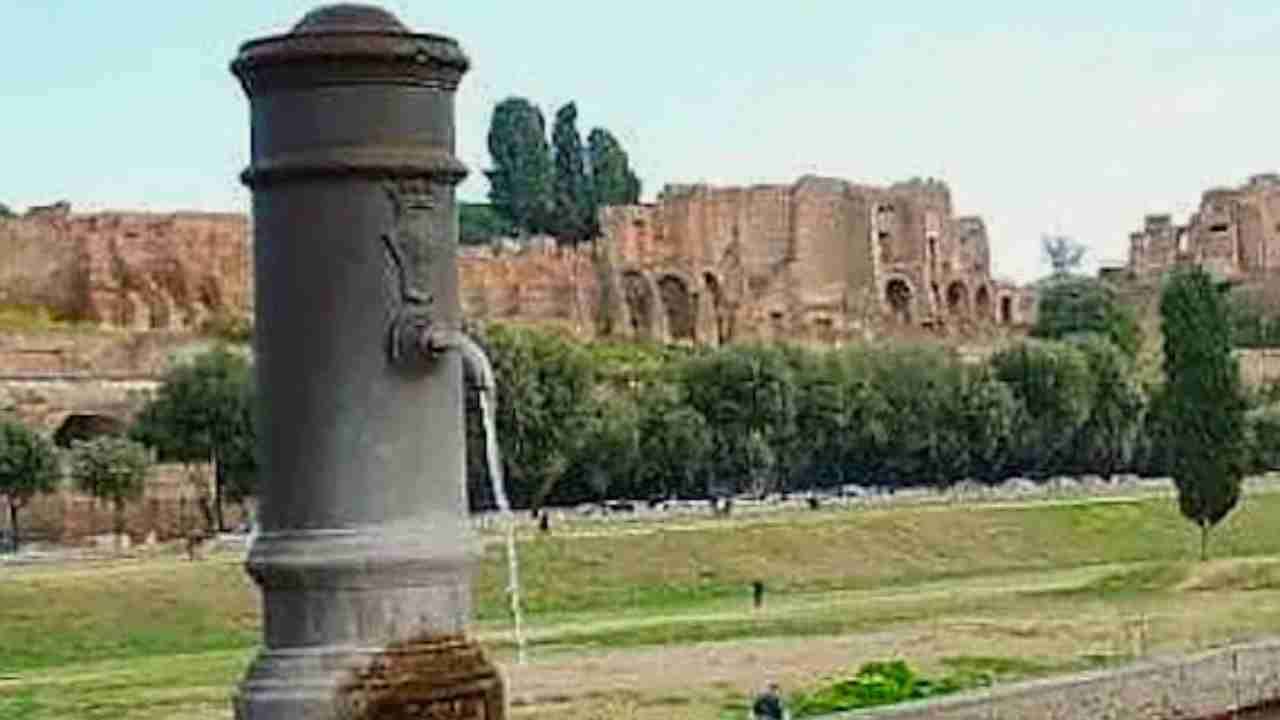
(555, 188)
(582, 422)
(110, 469)
(590, 422)
(202, 413)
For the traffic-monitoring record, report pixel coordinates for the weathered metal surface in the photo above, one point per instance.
(364, 552)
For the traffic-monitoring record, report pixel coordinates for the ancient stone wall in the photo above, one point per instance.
(169, 508)
(542, 284)
(47, 378)
(1235, 234)
(129, 270)
(822, 260)
(39, 265)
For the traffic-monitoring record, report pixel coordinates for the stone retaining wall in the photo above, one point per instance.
(168, 509)
(1206, 685)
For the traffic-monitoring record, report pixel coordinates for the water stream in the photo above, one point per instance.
(483, 371)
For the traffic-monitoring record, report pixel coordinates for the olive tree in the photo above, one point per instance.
(28, 467)
(202, 412)
(113, 470)
(746, 393)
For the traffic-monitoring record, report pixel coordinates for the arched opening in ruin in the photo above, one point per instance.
(639, 303)
(680, 311)
(982, 303)
(898, 294)
(957, 299)
(882, 230)
(1006, 311)
(718, 310)
(81, 427)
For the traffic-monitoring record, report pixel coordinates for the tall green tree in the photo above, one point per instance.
(604, 458)
(674, 445)
(5, 212)
(544, 386)
(575, 206)
(840, 420)
(747, 395)
(111, 469)
(28, 467)
(1109, 439)
(1075, 306)
(612, 178)
(1065, 255)
(1056, 389)
(921, 388)
(1203, 401)
(202, 413)
(521, 180)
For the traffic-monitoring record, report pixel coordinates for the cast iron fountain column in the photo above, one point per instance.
(364, 554)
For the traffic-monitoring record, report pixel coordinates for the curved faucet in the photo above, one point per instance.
(431, 344)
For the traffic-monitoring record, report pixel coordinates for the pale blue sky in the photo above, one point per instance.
(1079, 118)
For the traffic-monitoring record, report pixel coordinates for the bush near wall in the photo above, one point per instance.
(169, 508)
(639, 422)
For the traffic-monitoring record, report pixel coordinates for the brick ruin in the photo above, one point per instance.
(822, 260)
(140, 271)
(1235, 234)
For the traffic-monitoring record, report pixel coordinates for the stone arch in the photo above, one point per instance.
(899, 299)
(958, 299)
(640, 300)
(1006, 310)
(78, 427)
(982, 303)
(678, 305)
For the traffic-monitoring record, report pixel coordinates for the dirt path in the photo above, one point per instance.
(740, 667)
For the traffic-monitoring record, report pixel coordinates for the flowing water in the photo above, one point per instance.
(483, 371)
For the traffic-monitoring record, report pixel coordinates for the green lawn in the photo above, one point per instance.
(1058, 586)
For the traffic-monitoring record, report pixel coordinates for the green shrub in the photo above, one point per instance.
(1079, 306)
(878, 684)
(746, 393)
(1108, 440)
(1057, 391)
(1264, 436)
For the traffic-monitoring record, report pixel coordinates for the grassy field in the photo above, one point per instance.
(654, 621)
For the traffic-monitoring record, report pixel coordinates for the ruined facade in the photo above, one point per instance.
(822, 260)
(1235, 234)
(140, 271)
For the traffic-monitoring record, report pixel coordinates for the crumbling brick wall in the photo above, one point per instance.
(1235, 233)
(141, 271)
(820, 260)
(169, 508)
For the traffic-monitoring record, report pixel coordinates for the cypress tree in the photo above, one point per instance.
(1203, 401)
(574, 208)
(520, 183)
(611, 174)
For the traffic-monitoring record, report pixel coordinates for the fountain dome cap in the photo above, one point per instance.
(349, 18)
(349, 44)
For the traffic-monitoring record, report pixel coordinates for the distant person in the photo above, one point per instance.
(768, 706)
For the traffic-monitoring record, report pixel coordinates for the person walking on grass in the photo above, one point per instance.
(768, 705)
